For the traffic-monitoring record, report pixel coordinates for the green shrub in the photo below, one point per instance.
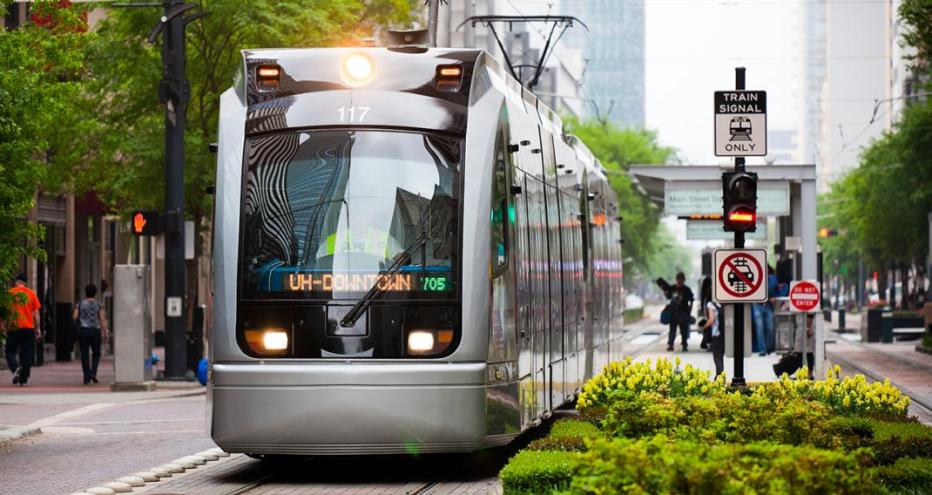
(894, 441)
(907, 476)
(565, 444)
(620, 379)
(538, 472)
(573, 428)
(660, 465)
(722, 418)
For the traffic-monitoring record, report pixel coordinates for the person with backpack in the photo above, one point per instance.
(91, 320)
(680, 307)
(715, 321)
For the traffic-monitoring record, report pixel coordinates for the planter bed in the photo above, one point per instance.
(662, 428)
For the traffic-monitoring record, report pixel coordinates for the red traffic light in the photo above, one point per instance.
(742, 216)
(145, 223)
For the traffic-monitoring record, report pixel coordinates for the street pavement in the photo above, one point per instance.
(88, 435)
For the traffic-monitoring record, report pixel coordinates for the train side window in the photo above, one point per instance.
(500, 215)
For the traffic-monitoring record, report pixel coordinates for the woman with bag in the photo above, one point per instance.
(714, 323)
(91, 319)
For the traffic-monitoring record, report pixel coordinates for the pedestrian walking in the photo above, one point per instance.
(714, 323)
(91, 319)
(21, 339)
(681, 306)
(764, 319)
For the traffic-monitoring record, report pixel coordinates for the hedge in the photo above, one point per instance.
(539, 472)
(912, 475)
(659, 465)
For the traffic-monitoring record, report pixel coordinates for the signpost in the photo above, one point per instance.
(740, 131)
(740, 123)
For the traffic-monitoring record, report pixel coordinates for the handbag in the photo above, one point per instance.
(76, 323)
(666, 314)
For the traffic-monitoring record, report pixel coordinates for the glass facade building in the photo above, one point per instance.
(613, 51)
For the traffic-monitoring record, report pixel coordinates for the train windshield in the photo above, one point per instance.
(333, 214)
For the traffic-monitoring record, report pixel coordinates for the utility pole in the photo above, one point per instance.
(433, 11)
(174, 92)
(738, 379)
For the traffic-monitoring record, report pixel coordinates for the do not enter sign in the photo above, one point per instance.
(805, 296)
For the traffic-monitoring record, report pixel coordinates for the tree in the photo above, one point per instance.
(118, 139)
(39, 76)
(618, 149)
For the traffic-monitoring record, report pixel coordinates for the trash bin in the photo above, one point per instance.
(887, 325)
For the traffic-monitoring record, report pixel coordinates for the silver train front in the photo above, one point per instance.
(526, 345)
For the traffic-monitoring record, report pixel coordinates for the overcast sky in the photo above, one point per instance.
(692, 48)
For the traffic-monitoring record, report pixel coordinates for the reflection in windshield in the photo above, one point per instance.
(326, 212)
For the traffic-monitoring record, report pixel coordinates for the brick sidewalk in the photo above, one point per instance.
(67, 377)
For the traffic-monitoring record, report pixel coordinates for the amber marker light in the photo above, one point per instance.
(358, 69)
(268, 77)
(268, 342)
(449, 78)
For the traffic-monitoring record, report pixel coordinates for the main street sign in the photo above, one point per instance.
(685, 198)
(740, 276)
(740, 123)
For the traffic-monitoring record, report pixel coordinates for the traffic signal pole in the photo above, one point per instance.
(738, 379)
(174, 91)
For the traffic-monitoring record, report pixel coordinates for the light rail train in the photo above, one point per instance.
(410, 256)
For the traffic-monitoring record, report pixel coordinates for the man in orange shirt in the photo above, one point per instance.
(22, 339)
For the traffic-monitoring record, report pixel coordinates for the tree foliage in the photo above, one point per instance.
(39, 75)
(123, 161)
(618, 149)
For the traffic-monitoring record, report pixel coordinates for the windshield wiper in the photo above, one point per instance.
(380, 286)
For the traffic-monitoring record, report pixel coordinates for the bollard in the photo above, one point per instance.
(887, 327)
(841, 319)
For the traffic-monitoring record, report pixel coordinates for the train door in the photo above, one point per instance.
(554, 258)
(540, 297)
(588, 337)
(523, 260)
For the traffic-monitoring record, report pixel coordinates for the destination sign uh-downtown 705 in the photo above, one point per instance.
(740, 123)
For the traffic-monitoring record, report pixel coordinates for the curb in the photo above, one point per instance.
(155, 475)
(8, 435)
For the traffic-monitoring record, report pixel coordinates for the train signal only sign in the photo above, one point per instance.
(740, 276)
(740, 123)
(804, 296)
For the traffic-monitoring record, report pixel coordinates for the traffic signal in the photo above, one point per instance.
(826, 232)
(739, 201)
(145, 222)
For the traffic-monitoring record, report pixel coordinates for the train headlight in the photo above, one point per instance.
(358, 69)
(271, 341)
(428, 342)
(275, 340)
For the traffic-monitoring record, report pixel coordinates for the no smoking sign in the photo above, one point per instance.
(740, 276)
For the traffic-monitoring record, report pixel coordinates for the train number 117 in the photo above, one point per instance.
(353, 114)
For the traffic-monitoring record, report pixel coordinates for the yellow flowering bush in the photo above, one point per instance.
(848, 396)
(623, 379)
